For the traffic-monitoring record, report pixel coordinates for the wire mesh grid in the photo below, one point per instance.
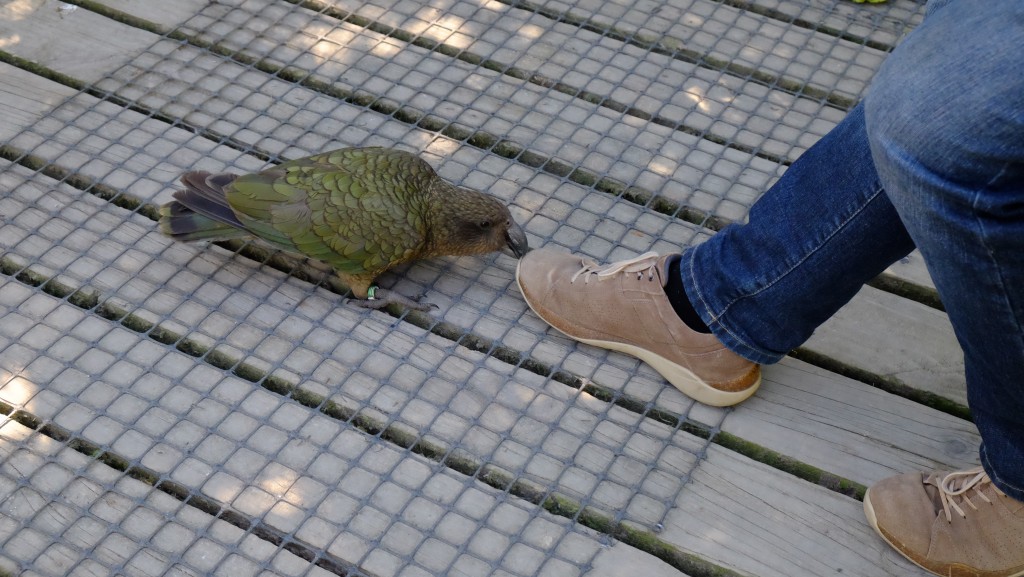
(180, 409)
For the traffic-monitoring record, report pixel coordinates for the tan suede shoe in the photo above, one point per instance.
(623, 307)
(955, 524)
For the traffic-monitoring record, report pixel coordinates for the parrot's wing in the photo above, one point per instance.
(353, 214)
(254, 198)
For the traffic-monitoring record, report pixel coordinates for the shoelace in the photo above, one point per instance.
(645, 262)
(958, 484)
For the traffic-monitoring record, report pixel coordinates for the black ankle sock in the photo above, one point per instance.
(680, 302)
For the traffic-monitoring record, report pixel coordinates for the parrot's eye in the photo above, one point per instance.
(485, 224)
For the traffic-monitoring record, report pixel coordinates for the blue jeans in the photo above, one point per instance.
(933, 158)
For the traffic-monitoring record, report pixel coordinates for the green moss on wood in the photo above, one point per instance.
(220, 359)
(788, 464)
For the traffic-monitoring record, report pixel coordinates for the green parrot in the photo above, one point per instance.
(360, 210)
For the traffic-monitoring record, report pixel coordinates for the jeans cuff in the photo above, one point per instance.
(720, 327)
(1011, 491)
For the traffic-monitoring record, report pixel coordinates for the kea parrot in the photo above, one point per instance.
(360, 210)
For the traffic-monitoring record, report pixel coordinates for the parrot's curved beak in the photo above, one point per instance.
(515, 240)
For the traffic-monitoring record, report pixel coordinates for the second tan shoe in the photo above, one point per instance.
(953, 524)
(623, 307)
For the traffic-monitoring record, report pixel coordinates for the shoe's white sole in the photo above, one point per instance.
(680, 377)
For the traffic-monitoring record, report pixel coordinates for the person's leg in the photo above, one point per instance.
(810, 243)
(945, 120)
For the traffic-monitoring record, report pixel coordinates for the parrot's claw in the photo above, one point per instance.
(384, 297)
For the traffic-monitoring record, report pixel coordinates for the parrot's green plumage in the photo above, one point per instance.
(361, 210)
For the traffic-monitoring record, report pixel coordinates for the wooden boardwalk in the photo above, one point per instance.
(213, 410)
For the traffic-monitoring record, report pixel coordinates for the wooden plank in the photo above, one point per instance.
(683, 181)
(674, 90)
(896, 338)
(620, 559)
(25, 100)
(460, 24)
(702, 98)
(79, 41)
(753, 519)
(912, 268)
(168, 14)
(97, 138)
(702, 94)
(848, 428)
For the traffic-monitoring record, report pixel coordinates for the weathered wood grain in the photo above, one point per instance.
(25, 99)
(850, 429)
(896, 338)
(773, 527)
(28, 28)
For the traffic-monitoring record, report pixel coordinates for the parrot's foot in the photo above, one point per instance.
(384, 297)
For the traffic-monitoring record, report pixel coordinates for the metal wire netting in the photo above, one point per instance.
(177, 409)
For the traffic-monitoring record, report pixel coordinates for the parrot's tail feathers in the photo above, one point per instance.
(186, 225)
(204, 194)
(201, 211)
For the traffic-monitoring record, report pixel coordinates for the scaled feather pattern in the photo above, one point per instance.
(361, 210)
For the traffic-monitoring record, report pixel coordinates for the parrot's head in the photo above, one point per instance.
(478, 223)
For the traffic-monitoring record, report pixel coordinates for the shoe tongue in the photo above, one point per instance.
(664, 264)
(931, 486)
